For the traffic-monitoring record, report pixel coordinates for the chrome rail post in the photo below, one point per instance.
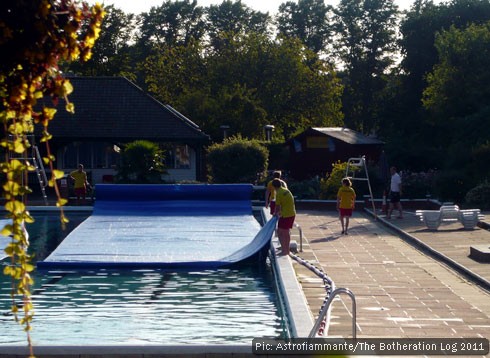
(300, 230)
(324, 311)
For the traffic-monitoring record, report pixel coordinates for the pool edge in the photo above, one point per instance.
(298, 312)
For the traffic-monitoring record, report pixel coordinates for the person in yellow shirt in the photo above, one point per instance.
(286, 212)
(270, 192)
(80, 183)
(346, 199)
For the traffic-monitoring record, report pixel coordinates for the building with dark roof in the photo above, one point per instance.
(112, 111)
(313, 151)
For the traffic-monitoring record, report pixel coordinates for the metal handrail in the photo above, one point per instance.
(300, 230)
(325, 308)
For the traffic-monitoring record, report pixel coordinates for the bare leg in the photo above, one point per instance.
(346, 224)
(390, 209)
(399, 205)
(284, 238)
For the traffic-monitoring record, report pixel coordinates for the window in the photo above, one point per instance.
(177, 156)
(91, 155)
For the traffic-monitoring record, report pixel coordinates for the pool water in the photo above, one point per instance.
(104, 307)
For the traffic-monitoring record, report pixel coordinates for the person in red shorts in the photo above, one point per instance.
(270, 192)
(80, 179)
(286, 212)
(346, 199)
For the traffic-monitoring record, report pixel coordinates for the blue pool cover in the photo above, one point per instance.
(165, 226)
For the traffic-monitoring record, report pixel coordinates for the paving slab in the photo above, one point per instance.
(401, 289)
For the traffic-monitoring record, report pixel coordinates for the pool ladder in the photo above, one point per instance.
(35, 159)
(326, 307)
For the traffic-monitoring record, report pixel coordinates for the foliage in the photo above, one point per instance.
(172, 23)
(278, 155)
(174, 73)
(251, 82)
(35, 35)
(478, 197)
(329, 186)
(458, 84)
(112, 51)
(306, 20)
(451, 185)
(421, 136)
(236, 160)
(419, 28)
(365, 45)
(477, 166)
(141, 163)
(222, 65)
(416, 185)
(306, 189)
(233, 17)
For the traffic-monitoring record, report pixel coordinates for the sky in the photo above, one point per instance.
(271, 6)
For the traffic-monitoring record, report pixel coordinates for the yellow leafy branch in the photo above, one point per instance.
(58, 30)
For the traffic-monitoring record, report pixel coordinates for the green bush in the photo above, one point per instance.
(236, 160)
(451, 186)
(279, 156)
(306, 189)
(418, 185)
(330, 185)
(479, 197)
(141, 163)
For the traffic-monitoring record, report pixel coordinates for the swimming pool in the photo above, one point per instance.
(133, 307)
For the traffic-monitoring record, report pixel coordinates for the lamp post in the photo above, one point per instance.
(225, 129)
(269, 128)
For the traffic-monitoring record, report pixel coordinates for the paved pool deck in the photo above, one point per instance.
(409, 282)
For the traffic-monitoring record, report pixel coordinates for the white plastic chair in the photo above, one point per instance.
(469, 218)
(449, 212)
(431, 218)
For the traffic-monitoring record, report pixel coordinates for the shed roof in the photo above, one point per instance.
(115, 108)
(345, 135)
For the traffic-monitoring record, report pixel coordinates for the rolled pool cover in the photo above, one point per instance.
(165, 226)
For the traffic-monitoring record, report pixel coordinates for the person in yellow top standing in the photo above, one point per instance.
(270, 192)
(286, 212)
(346, 199)
(80, 178)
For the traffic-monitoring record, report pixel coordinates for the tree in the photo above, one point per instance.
(458, 97)
(233, 18)
(366, 31)
(459, 84)
(308, 21)
(251, 82)
(423, 22)
(141, 163)
(35, 36)
(112, 52)
(174, 73)
(301, 89)
(419, 29)
(172, 23)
